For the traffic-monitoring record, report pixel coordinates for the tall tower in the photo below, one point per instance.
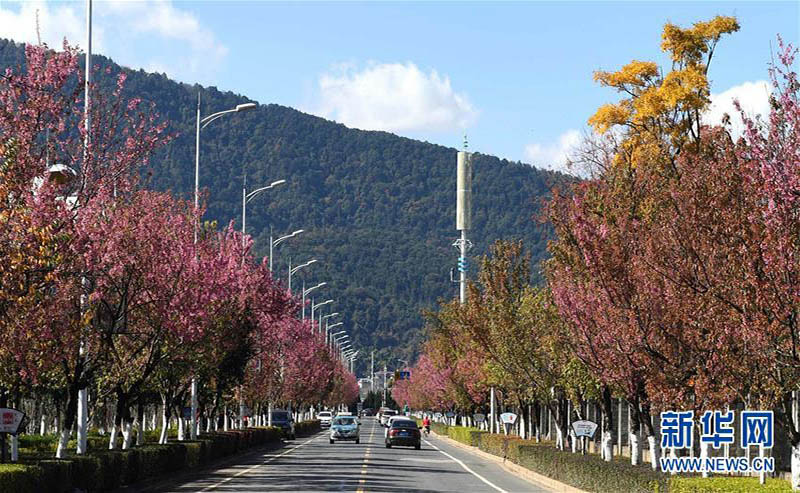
(463, 214)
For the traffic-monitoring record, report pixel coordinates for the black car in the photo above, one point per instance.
(404, 432)
(284, 421)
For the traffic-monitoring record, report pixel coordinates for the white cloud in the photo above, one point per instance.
(554, 155)
(124, 31)
(394, 97)
(753, 97)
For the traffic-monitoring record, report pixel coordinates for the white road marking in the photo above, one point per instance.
(363, 479)
(245, 471)
(501, 490)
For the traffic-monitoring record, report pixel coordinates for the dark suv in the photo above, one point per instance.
(284, 421)
(404, 432)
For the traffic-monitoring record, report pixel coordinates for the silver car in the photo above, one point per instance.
(345, 428)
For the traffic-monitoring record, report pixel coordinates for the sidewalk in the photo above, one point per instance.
(510, 467)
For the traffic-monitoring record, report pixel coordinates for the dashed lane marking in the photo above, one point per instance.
(363, 480)
(245, 471)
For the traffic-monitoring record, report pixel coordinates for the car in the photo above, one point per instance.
(324, 418)
(391, 420)
(283, 420)
(385, 415)
(367, 412)
(345, 428)
(403, 432)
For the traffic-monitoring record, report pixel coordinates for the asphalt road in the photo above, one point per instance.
(312, 464)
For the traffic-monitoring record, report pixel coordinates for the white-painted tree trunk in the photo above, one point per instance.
(796, 467)
(43, 425)
(164, 426)
(14, 448)
(112, 439)
(704, 450)
(127, 436)
(573, 440)
(83, 418)
(140, 432)
(62, 443)
(180, 429)
(225, 420)
(608, 445)
(636, 448)
(559, 438)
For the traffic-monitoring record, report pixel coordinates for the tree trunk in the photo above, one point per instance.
(652, 442)
(165, 410)
(635, 431)
(142, 420)
(70, 413)
(608, 426)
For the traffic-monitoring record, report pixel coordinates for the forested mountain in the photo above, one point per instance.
(378, 210)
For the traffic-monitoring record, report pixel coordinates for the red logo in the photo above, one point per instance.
(8, 418)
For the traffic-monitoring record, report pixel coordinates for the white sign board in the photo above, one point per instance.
(508, 418)
(584, 428)
(10, 419)
(438, 415)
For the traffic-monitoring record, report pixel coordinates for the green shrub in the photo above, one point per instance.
(104, 470)
(463, 434)
(307, 427)
(439, 428)
(21, 478)
(726, 484)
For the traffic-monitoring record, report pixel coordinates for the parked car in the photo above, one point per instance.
(324, 418)
(385, 415)
(345, 428)
(404, 432)
(283, 420)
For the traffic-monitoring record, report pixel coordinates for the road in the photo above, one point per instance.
(312, 464)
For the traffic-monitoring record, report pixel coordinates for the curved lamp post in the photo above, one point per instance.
(247, 197)
(275, 243)
(329, 327)
(292, 270)
(306, 291)
(315, 306)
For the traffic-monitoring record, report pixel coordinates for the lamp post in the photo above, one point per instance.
(275, 243)
(247, 197)
(315, 306)
(201, 124)
(333, 337)
(325, 318)
(328, 327)
(306, 291)
(292, 270)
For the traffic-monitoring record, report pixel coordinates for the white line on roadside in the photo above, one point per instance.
(245, 471)
(501, 490)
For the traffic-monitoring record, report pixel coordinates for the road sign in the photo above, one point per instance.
(584, 428)
(405, 375)
(479, 418)
(187, 413)
(10, 420)
(508, 418)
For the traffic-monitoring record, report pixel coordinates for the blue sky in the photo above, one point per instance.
(516, 77)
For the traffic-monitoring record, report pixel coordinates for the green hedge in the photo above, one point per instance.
(307, 427)
(463, 434)
(105, 470)
(725, 484)
(439, 428)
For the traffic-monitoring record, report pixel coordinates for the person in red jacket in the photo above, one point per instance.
(426, 424)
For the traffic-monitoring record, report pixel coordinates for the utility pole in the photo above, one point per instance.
(372, 372)
(384, 385)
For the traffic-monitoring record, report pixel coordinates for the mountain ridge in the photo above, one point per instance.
(378, 209)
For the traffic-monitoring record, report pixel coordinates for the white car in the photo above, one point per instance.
(324, 418)
(385, 415)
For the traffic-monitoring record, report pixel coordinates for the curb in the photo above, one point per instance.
(514, 469)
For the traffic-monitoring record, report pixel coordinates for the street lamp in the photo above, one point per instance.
(202, 123)
(315, 306)
(335, 340)
(278, 241)
(325, 319)
(292, 270)
(247, 197)
(329, 327)
(306, 291)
